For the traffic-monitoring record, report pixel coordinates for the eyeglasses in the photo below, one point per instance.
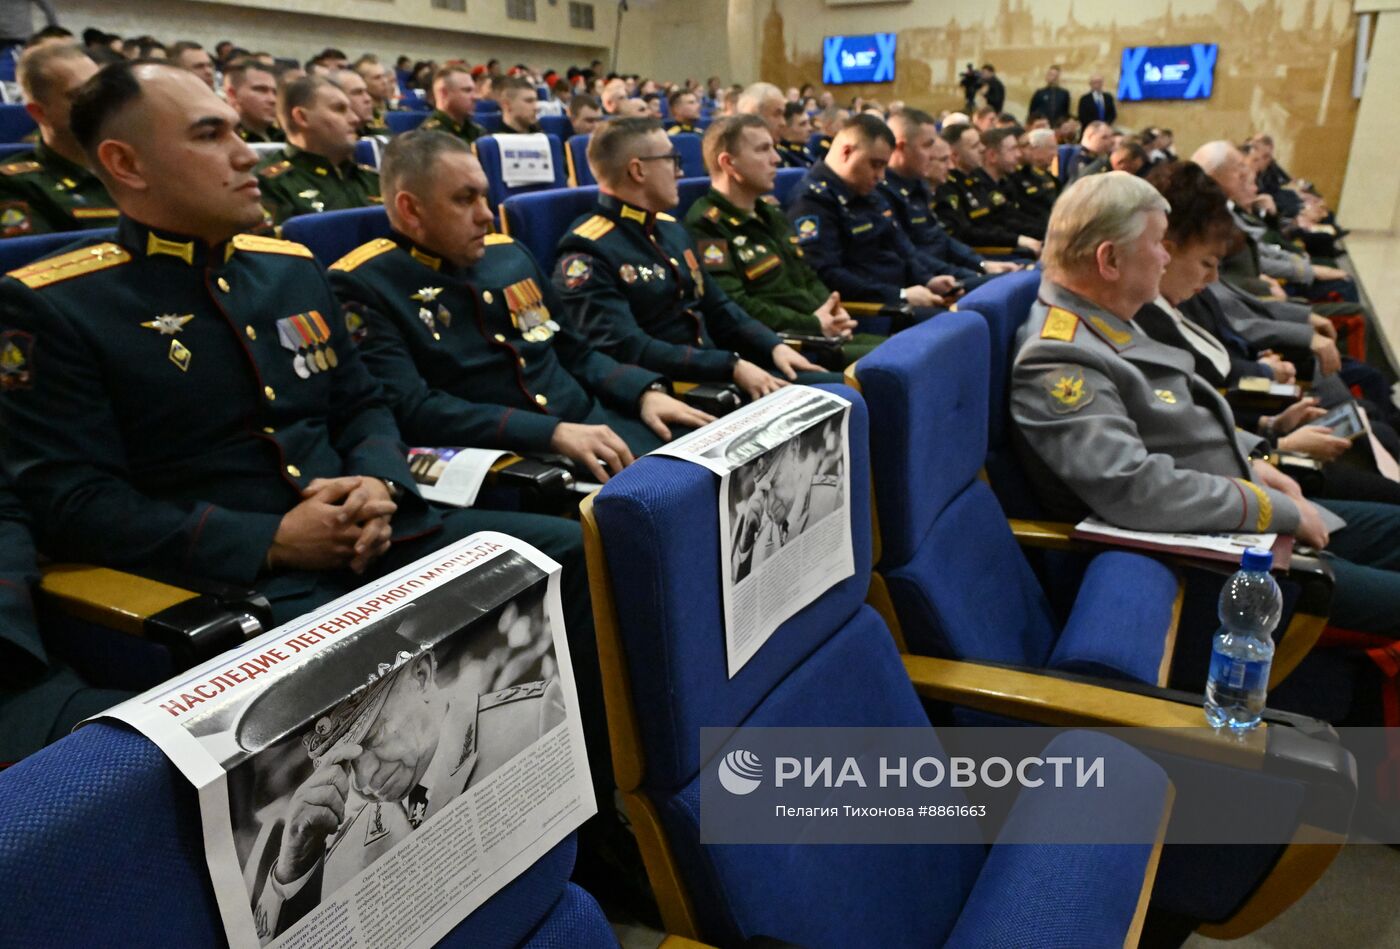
(673, 157)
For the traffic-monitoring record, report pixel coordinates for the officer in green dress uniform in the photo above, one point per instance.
(464, 330)
(251, 88)
(685, 112)
(185, 398)
(50, 189)
(966, 208)
(361, 103)
(454, 94)
(750, 250)
(41, 698)
(317, 170)
(630, 277)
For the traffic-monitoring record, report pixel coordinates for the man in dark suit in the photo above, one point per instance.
(992, 89)
(1050, 100)
(1097, 105)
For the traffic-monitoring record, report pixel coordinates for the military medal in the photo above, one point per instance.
(305, 335)
(695, 273)
(168, 324)
(528, 313)
(309, 195)
(628, 273)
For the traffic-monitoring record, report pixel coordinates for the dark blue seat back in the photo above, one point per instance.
(1066, 154)
(16, 252)
(488, 150)
(577, 156)
(17, 148)
(814, 143)
(333, 234)
(558, 126)
(692, 158)
(690, 190)
(367, 152)
(400, 122)
(1005, 304)
(785, 183)
(833, 664)
(539, 220)
(486, 107)
(492, 122)
(958, 580)
(15, 122)
(102, 843)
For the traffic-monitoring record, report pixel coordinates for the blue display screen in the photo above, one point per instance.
(1167, 72)
(865, 58)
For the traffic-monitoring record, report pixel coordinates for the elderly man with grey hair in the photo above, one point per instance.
(766, 101)
(1112, 422)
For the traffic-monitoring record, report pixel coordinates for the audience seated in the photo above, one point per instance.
(251, 88)
(968, 209)
(519, 106)
(317, 170)
(454, 96)
(481, 358)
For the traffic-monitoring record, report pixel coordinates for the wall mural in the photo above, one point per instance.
(1284, 65)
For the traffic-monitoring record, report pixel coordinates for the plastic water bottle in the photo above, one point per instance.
(1250, 607)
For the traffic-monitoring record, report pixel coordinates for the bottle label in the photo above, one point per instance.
(1243, 675)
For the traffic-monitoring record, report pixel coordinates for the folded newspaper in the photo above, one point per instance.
(451, 475)
(371, 773)
(1218, 546)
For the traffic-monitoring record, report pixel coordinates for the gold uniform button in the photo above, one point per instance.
(294, 471)
(270, 393)
(223, 285)
(500, 338)
(486, 296)
(268, 429)
(674, 262)
(541, 399)
(522, 362)
(252, 333)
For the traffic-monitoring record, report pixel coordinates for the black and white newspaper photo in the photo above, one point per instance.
(373, 772)
(451, 475)
(785, 530)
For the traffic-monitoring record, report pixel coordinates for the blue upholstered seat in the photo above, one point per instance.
(786, 181)
(557, 125)
(488, 150)
(692, 159)
(16, 252)
(832, 664)
(540, 219)
(576, 154)
(400, 122)
(333, 234)
(689, 191)
(15, 122)
(102, 845)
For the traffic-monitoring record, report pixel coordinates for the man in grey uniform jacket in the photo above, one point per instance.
(1121, 425)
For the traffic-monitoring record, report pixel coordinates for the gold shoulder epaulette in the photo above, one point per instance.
(663, 216)
(46, 273)
(271, 245)
(594, 228)
(275, 169)
(364, 254)
(499, 239)
(20, 167)
(1060, 324)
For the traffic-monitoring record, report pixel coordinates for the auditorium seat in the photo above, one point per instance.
(16, 252)
(17, 148)
(650, 534)
(488, 151)
(576, 155)
(367, 151)
(558, 126)
(692, 158)
(15, 123)
(786, 182)
(103, 845)
(689, 191)
(400, 122)
(490, 121)
(333, 234)
(1063, 156)
(486, 107)
(539, 220)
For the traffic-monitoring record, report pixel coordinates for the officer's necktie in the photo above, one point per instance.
(1098, 104)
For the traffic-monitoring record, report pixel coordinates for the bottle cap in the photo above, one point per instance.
(1257, 558)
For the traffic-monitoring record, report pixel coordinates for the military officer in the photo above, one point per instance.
(463, 329)
(380, 83)
(454, 95)
(965, 207)
(767, 101)
(1036, 185)
(251, 88)
(848, 231)
(317, 170)
(184, 399)
(792, 141)
(356, 90)
(520, 104)
(442, 739)
(1001, 157)
(41, 698)
(50, 189)
(631, 281)
(919, 158)
(1120, 424)
(685, 112)
(748, 247)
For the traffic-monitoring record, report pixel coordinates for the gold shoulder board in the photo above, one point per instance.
(663, 216)
(364, 254)
(272, 171)
(499, 239)
(20, 167)
(594, 228)
(1060, 324)
(46, 273)
(271, 245)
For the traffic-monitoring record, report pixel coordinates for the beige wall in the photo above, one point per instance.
(386, 27)
(1371, 195)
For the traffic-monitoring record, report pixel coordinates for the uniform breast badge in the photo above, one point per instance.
(628, 273)
(528, 313)
(695, 273)
(577, 270)
(1165, 395)
(168, 324)
(430, 317)
(307, 337)
(180, 355)
(1069, 392)
(311, 196)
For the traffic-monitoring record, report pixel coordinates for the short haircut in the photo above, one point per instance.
(1212, 156)
(952, 134)
(297, 94)
(983, 112)
(989, 67)
(513, 84)
(583, 101)
(753, 97)
(724, 136)
(611, 147)
(184, 46)
(1134, 149)
(792, 110)
(368, 59)
(676, 95)
(1200, 211)
(445, 71)
(1094, 126)
(992, 138)
(1097, 209)
(408, 160)
(110, 92)
(904, 122)
(1038, 137)
(869, 129)
(34, 66)
(52, 31)
(236, 73)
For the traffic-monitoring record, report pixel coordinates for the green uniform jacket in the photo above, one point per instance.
(42, 192)
(296, 182)
(439, 121)
(631, 281)
(755, 260)
(475, 356)
(273, 134)
(165, 403)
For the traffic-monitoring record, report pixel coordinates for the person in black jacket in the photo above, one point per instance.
(1097, 105)
(992, 89)
(1050, 100)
